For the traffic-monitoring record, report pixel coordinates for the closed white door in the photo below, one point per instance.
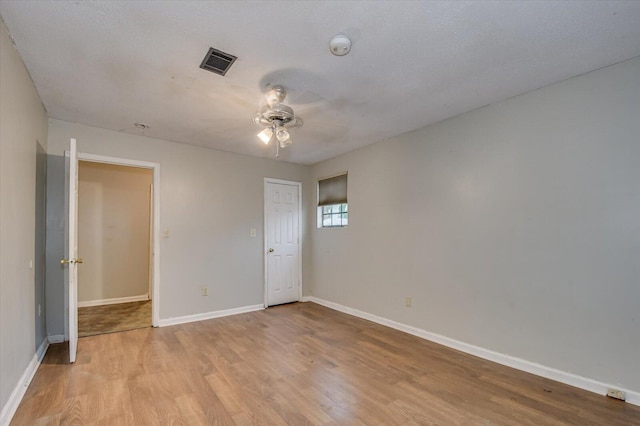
(282, 242)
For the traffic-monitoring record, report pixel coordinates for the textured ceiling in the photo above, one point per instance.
(110, 64)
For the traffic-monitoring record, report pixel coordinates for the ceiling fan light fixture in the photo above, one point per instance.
(285, 143)
(282, 134)
(277, 119)
(266, 135)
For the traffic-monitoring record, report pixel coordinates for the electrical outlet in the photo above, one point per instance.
(615, 393)
(252, 232)
(407, 302)
(205, 291)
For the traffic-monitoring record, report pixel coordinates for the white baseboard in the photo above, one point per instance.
(632, 397)
(100, 302)
(55, 338)
(40, 352)
(15, 398)
(209, 315)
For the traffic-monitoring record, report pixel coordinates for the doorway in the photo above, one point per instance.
(114, 239)
(72, 260)
(282, 226)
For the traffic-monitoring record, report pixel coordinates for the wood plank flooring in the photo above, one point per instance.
(112, 318)
(295, 364)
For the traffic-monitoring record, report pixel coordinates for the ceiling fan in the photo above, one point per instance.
(277, 118)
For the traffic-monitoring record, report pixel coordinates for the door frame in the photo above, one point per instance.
(298, 186)
(155, 218)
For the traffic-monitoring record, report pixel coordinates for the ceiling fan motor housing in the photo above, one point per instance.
(275, 95)
(277, 112)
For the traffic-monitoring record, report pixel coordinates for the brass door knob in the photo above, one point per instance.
(70, 261)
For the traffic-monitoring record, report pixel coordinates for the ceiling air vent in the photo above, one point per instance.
(217, 61)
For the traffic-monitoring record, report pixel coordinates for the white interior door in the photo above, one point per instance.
(282, 242)
(72, 260)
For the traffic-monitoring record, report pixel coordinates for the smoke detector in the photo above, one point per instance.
(340, 45)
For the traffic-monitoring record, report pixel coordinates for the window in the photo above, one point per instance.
(333, 210)
(334, 215)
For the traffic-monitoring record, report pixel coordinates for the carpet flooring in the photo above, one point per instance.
(112, 318)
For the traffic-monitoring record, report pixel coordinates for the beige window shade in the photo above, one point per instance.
(332, 190)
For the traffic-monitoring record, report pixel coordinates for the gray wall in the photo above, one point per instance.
(23, 123)
(515, 227)
(209, 202)
(39, 263)
(54, 291)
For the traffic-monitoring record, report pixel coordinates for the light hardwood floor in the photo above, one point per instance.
(295, 364)
(112, 318)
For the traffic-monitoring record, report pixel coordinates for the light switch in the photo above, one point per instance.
(165, 233)
(252, 232)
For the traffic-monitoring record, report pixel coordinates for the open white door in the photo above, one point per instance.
(72, 259)
(282, 242)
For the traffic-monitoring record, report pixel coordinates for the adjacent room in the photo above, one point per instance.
(288, 212)
(114, 237)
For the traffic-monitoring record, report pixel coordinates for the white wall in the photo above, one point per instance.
(515, 227)
(209, 201)
(23, 123)
(113, 231)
